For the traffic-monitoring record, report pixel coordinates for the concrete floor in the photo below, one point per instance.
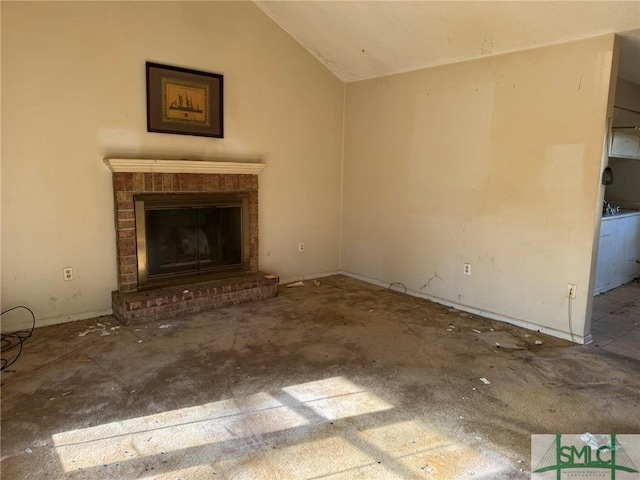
(343, 380)
(615, 320)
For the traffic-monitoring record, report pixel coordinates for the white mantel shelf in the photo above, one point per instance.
(145, 165)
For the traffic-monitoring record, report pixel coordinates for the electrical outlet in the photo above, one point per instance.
(67, 273)
(466, 269)
(301, 247)
(571, 290)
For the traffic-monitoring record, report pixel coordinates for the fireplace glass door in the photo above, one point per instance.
(189, 236)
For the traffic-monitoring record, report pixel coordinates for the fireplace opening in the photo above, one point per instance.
(182, 237)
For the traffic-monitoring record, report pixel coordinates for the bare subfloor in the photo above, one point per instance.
(343, 380)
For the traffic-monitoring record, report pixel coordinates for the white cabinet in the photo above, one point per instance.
(618, 252)
(624, 145)
(604, 267)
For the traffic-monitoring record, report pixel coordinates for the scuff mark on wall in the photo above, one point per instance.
(491, 255)
(487, 45)
(52, 302)
(435, 275)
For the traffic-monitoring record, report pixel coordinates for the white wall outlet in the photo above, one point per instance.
(466, 269)
(67, 273)
(301, 247)
(571, 290)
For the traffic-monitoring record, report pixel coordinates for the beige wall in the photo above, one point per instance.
(494, 162)
(73, 92)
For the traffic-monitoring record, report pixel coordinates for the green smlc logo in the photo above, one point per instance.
(610, 457)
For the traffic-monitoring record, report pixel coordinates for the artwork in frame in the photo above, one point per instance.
(184, 101)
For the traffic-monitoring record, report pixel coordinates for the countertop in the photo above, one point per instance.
(623, 213)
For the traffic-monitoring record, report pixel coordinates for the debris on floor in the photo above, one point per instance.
(428, 468)
(316, 283)
(295, 284)
(395, 370)
(538, 342)
(100, 327)
(66, 393)
(502, 340)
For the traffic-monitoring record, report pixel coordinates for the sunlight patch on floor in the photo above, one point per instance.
(205, 439)
(174, 430)
(397, 451)
(310, 459)
(418, 448)
(336, 398)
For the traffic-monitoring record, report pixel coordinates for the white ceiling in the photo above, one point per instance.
(357, 40)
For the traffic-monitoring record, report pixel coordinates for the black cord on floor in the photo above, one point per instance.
(399, 284)
(570, 326)
(15, 340)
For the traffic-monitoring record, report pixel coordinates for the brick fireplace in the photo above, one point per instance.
(133, 178)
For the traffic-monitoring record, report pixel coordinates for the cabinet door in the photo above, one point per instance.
(627, 248)
(624, 145)
(605, 266)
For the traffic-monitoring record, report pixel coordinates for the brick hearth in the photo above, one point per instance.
(170, 302)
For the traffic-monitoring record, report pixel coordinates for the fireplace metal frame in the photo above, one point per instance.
(144, 202)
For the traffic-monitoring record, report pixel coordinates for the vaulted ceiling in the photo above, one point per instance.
(357, 40)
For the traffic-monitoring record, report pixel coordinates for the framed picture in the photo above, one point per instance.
(183, 101)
